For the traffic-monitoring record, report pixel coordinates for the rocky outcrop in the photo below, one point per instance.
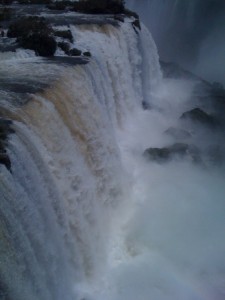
(177, 150)
(99, 6)
(4, 160)
(136, 25)
(87, 53)
(5, 130)
(200, 116)
(75, 52)
(65, 34)
(64, 46)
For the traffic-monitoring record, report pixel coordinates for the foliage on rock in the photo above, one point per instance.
(100, 6)
(5, 14)
(34, 1)
(6, 2)
(35, 34)
(90, 6)
(28, 26)
(177, 150)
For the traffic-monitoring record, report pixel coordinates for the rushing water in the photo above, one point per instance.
(83, 214)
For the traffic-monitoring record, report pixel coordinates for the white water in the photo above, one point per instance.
(84, 216)
(170, 245)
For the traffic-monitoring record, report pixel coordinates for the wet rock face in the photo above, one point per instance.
(4, 160)
(64, 46)
(177, 150)
(136, 24)
(5, 130)
(65, 34)
(87, 53)
(202, 126)
(200, 116)
(75, 52)
(157, 154)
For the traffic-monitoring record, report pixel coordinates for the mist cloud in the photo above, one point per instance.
(188, 32)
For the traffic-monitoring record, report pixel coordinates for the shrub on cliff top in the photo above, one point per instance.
(99, 6)
(6, 2)
(5, 14)
(42, 44)
(35, 34)
(27, 26)
(90, 6)
(34, 1)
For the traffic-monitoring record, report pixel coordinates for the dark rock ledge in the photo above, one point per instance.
(200, 116)
(177, 150)
(5, 131)
(22, 26)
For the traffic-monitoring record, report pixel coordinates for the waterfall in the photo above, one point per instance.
(67, 183)
(111, 174)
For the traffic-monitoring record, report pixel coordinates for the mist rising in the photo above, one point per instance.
(190, 33)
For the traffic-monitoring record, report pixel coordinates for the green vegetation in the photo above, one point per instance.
(5, 14)
(35, 34)
(34, 1)
(6, 2)
(100, 6)
(90, 6)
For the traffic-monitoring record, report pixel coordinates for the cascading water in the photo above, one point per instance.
(188, 32)
(66, 179)
(83, 214)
